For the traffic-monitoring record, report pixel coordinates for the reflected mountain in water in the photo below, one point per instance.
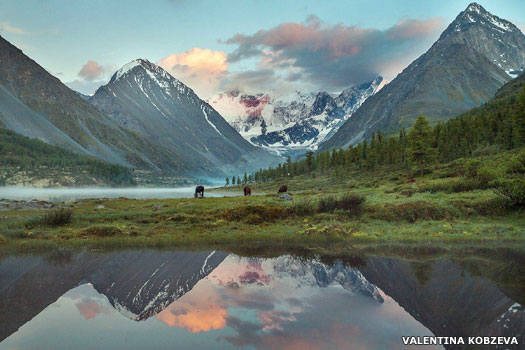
(448, 300)
(197, 291)
(139, 284)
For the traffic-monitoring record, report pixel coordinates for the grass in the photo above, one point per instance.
(380, 207)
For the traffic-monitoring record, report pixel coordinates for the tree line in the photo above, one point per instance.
(496, 126)
(23, 153)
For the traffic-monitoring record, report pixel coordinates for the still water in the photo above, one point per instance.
(72, 194)
(214, 300)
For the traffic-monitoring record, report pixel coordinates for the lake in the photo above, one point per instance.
(149, 299)
(72, 194)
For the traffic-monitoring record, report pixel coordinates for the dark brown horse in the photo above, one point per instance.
(282, 189)
(199, 192)
(247, 191)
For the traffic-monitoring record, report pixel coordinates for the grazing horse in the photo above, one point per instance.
(247, 191)
(199, 192)
(282, 189)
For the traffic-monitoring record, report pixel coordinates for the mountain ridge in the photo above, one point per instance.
(294, 123)
(161, 109)
(472, 59)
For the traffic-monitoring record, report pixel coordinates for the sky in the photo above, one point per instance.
(252, 46)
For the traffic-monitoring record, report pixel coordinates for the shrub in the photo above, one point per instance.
(2, 239)
(350, 203)
(411, 212)
(184, 218)
(54, 218)
(454, 185)
(102, 231)
(303, 207)
(492, 206)
(513, 190)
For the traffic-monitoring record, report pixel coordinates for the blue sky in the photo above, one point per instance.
(209, 44)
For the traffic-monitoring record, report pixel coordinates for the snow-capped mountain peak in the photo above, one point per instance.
(475, 13)
(294, 123)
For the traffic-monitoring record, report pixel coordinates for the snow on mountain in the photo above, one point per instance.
(294, 123)
(143, 97)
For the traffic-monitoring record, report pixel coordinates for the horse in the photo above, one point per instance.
(282, 189)
(247, 191)
(199, 192)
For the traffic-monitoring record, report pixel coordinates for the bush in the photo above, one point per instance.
(54, 218)
(102, 231)
(411, 212)
(350, 203)
(304, 207)
(454, 185)
(2, 239)
(513, 190)
(492, 206)
(184, 218)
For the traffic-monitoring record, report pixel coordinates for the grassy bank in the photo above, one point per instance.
(361, 207)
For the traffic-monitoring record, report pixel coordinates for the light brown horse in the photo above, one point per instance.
(247, 191)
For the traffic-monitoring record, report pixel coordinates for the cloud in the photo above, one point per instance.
(86, 87)
(200, 69)
(91, 71)
(91, 76)
(6, 27)
(199, 311)
(332, 56)
(90, 308)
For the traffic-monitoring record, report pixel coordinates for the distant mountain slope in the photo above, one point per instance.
(292, 124)
(143, 97)
(36, 104)
(32, 161)
(474, 57)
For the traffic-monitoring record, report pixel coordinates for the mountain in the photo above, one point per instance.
(25, 161)
(36, 104)
(291, 124)
(450, 302)
(472, 59)
(143, 97)
(138, 284)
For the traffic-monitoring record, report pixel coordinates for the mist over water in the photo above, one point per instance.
(72, 194)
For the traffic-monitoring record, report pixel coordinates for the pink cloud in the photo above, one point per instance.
(333, 56)
(91, 70)
(200, 69)
(90, 308)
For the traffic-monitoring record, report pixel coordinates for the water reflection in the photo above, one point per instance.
(153, 300)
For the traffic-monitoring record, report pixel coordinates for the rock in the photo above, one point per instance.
(156, 207)
(101, 206)
(285, 196)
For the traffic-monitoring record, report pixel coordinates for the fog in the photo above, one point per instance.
(72, 194)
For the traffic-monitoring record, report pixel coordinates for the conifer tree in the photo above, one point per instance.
(421, 150)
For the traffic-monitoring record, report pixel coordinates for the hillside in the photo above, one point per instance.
(25, 161)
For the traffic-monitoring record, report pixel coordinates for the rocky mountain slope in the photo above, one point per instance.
(473, 57)
(36, 104)
(154, 123)
(143, 97)
(292, 124)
